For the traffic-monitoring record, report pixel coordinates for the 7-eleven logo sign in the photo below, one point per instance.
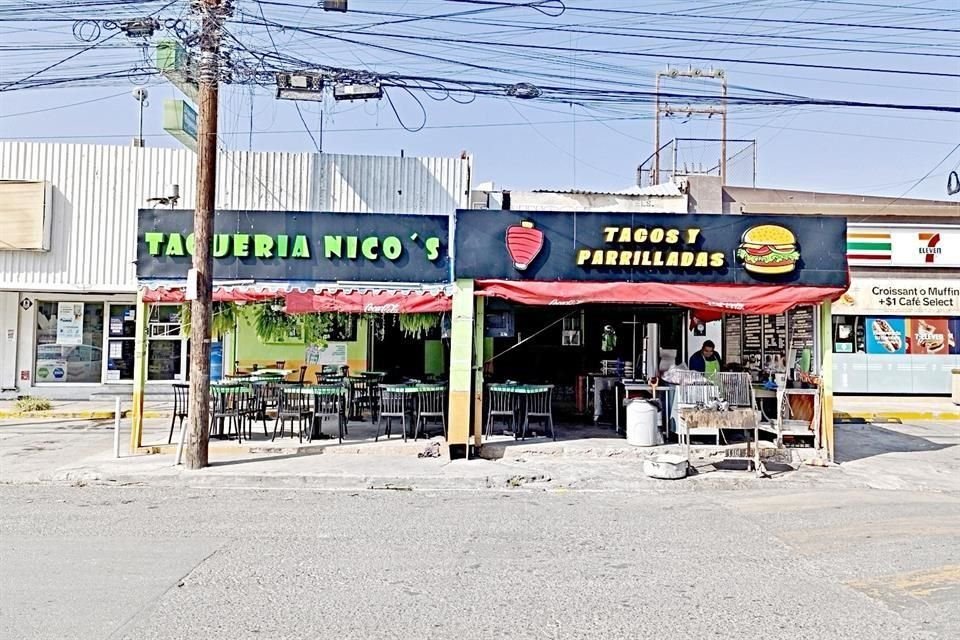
(930, 250)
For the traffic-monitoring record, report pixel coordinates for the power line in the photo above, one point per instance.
(673, 14)
(524, 46)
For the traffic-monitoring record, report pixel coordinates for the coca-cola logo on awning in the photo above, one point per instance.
(381, 308)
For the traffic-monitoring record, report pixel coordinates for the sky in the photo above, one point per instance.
(596, 61)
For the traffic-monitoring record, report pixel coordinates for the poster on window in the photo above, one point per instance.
(886, 336)
(928, 336)
(70, 323)
(334, 354)
(953, 336)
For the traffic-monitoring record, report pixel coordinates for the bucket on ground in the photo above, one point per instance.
(643, 416)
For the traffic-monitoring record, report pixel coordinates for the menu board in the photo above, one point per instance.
(752, 341)
(732, 339)
(752, 335)
(774, 334)
(801, 328)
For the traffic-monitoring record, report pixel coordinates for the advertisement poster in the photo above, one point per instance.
(928, 336)
(52, 370)
(335, 354)
(953, 335)
(886, 336)
(70, 323)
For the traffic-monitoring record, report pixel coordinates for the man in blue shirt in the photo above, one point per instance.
(707, 360)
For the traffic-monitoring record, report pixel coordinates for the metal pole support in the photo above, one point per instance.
(116, 428)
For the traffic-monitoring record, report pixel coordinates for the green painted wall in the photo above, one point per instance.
(433, 361)
(250, 349)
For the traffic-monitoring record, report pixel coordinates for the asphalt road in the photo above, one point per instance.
(114, 562)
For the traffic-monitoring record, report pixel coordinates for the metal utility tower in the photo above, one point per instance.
(664, 107)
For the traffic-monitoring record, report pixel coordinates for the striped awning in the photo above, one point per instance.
(317, 297)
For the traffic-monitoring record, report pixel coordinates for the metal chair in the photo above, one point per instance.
(227, 404)
(281, 364)
(294, 406)
(255, 407)
(539, 407)
(303, 374)
(181, 402)
(330, 405)
(431, 405)
(502, 404)
(394, 405)
(361, 389)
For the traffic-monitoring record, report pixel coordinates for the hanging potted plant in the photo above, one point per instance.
(272, 324)
(223, 320)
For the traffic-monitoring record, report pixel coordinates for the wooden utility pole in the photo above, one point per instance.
(201, 312)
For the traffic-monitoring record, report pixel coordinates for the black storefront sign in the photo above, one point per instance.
(628, 247)
(299, 246)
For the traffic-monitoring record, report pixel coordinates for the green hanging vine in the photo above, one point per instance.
(223, 321)
(418, 325)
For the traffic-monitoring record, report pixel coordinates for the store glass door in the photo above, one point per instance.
(121, 336)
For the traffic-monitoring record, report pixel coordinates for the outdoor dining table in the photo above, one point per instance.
(520, 393)
(412, 390)
(318, 392)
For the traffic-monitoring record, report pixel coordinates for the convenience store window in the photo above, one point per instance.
(121, 337)
(69, 342)
(166, 345)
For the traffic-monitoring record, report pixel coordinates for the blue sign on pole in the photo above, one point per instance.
(216, 360)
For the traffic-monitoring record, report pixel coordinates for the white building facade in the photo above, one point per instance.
(68, 218)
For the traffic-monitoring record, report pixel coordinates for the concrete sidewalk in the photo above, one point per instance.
(902, 408)
(923, 456)
(869, 408)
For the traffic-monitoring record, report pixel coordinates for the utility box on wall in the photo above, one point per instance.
(25, 215)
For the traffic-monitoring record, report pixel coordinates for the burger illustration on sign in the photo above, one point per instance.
(524, 243)
(768, 249)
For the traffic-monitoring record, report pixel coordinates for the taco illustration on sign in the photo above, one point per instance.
(768, 249)
(524, 243)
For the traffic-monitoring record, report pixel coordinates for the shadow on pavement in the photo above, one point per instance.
(856, 442)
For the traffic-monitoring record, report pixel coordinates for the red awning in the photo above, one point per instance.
(709, 298)
(220, 294)
(369, 301)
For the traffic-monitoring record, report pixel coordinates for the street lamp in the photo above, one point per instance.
(300, 86)
(358, 91)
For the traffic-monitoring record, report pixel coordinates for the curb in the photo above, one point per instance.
(79, 415)
(895, 416)
(320, 482)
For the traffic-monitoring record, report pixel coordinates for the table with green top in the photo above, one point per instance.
(521, 393)
(412, 391)
(325, 396)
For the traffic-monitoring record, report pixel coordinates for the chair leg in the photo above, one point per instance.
(403, 426)
(553, 433)
(376, 437)
(173, 421)
(275, 425)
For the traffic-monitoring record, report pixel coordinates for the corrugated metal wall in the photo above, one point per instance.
(98, 189)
